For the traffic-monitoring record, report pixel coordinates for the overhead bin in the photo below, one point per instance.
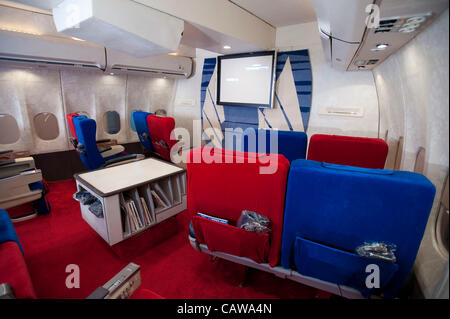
(161, 65)
(122, 25)
(351, 44)
(17, 49)
(341, 25)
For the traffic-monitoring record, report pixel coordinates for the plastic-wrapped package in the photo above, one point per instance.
(84, 198)
(96, 208)
(253, 222)
(377, 250)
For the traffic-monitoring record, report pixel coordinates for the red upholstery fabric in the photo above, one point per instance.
(14, 271)
(232, 240)
(347, 150)
(143, 293)
(226, 189)
(160, 129)
(70, 117)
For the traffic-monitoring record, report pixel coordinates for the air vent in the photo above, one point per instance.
(402, 24)
(338, 111)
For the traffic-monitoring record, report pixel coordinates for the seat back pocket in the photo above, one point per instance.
(339, 266)
(232, 240)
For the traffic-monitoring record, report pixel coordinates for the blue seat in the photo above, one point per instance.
(332, 209)
(291, 144)
(90, 155)
(141, 125)
(7, 231)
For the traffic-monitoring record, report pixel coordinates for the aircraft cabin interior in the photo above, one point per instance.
(224, 149)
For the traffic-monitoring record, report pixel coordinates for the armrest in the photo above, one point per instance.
(121, 159)
(104, 149)
(103, 141)
(6, 291)
(121, 286)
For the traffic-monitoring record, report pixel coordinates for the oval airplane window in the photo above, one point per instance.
(46, 126)
(111, 121)
(9, 130)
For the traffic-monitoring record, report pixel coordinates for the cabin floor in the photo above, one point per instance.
(169, 265)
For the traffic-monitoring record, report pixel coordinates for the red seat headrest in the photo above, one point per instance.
(347, 150)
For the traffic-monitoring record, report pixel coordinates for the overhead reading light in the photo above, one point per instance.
(226, 47)
(380, 47)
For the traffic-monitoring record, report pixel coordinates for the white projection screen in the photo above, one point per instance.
(246, 79)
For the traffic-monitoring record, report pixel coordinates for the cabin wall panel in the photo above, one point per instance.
(333, 88)
(26, 92)
(413, 87)
(187, 108)
(149, 95)
(96, 94)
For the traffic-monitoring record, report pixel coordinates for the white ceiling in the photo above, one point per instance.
(280, 13)
(277, 13)
(41, 4)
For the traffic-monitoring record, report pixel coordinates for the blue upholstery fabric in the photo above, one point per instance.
(291, 144)
(331, 209)
(86, 134)
(7, 231)
(140, 121)
(42, 204)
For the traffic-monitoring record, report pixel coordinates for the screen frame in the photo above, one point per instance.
(247, 55)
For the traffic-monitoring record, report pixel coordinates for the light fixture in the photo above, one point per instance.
(76, 39)
(380, 47)
(226, 47)
(111, 73)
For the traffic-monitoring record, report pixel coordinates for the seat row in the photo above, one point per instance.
(321, 209)
(153, 132)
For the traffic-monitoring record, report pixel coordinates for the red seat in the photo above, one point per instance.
(160, 129)
(14, 271)
(348, 150)
(225, 189)
(70, 117)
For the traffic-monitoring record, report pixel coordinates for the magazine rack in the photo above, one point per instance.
(134, 197)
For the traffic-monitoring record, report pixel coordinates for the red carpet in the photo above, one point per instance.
(169, 265)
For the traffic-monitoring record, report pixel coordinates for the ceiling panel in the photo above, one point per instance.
(279, 13)
(41, 4)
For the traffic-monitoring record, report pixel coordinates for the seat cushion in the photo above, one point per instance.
(7, 231)
(225, 189)
(342, 207)
(348, 150)
(14, 271)
(86, 133)
(141, 124)
(70, 117)
(291, 144)
(160, 129)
